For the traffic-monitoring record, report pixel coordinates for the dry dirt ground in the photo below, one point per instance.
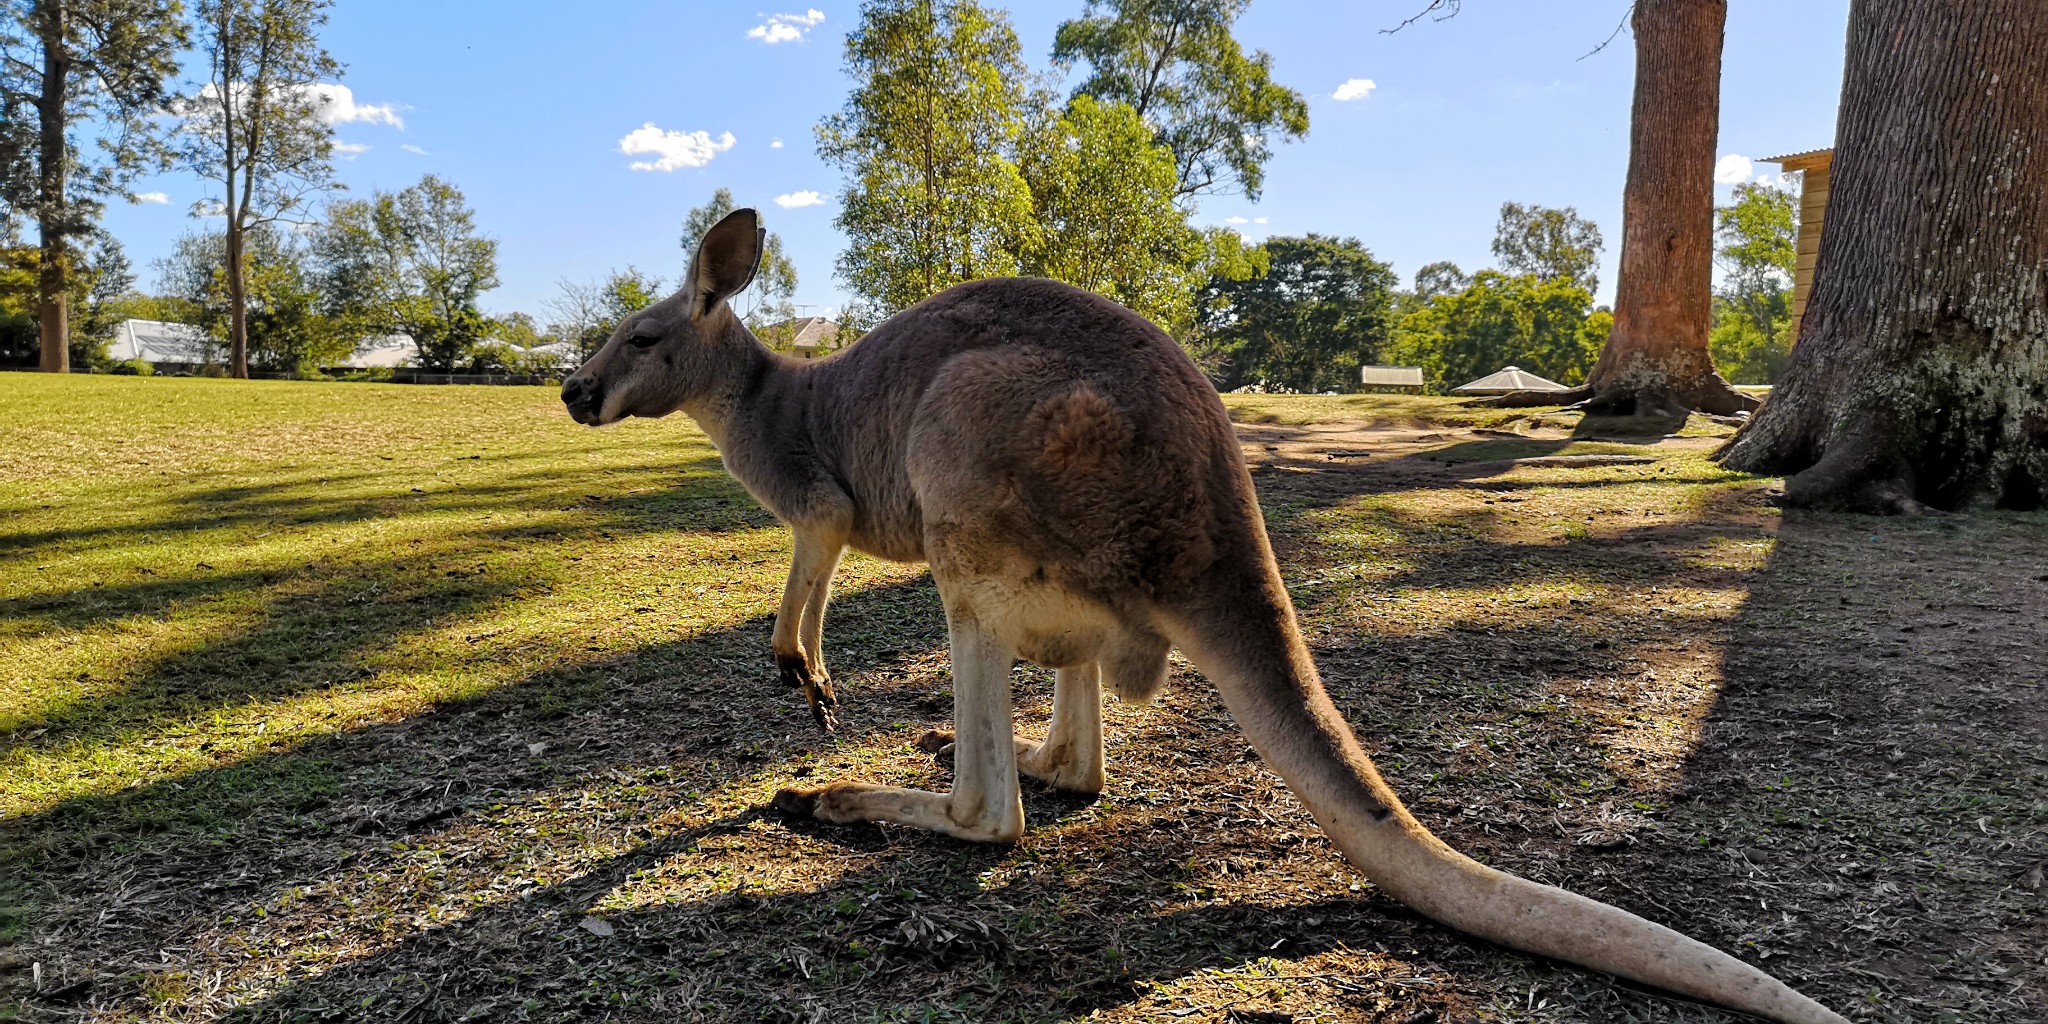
(1817, 741)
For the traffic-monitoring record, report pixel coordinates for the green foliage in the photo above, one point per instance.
(1544, 325)
(1440, 278)
(408, 262)
(1103, 198)
(767, 298)
(1759, 236)
(97, 276)
(116, 56)
(1322, 309)
(289, 331)
(1548, 243)
(255, 127)
(585, 315)
(1177, 65)
(933, 197)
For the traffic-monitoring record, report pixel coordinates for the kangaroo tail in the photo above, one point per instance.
(1241, 633)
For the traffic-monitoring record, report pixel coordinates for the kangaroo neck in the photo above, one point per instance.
(728, 407)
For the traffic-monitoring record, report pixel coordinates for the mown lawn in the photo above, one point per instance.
(353, 702)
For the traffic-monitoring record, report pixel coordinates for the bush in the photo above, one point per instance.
(133, 368)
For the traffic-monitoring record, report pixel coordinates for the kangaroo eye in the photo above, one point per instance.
(645, 334)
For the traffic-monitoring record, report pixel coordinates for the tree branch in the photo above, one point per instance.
(1449, 7)
(1625, 15)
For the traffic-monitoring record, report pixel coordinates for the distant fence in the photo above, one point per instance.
(424, 377)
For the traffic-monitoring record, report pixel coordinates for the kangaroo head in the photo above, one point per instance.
(679, 349)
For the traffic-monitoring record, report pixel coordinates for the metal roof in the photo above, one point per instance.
(1391, 376)
(159, 341)
(1507, 379)
(1808, 157)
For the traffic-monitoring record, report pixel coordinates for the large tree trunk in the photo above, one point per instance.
(1921, 373)
(1656, 359)
(53, 275)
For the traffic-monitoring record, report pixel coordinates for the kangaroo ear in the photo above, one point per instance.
(726, 259)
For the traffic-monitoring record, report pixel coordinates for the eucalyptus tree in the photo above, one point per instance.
(1548, 243)
(1920, 378)
(408, 262)
(255, 127)
(1102, 193)
(1177, 64)
(926, 139)
(69, 68)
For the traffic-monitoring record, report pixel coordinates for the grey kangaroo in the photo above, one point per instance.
(1075, 484)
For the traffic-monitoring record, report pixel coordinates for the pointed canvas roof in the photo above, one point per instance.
(1509, 378)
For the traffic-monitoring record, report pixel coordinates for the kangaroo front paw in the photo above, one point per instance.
(796, 671)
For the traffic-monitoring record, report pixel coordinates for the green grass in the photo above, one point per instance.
(195, 571)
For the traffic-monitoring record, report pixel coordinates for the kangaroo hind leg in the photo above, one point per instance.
(985, 804)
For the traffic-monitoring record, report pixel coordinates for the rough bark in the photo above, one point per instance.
(1656, 359)
(53, 275)
(1921, 374)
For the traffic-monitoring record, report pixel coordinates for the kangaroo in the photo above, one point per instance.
(1076, 486)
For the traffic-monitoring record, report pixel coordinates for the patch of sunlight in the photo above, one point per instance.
(628, 597)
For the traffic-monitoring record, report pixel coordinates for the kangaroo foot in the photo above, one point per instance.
(1042, 761)
(846, 803)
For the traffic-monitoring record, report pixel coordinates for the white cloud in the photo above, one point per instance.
(1354, 89)
(675, 149)
(149, 197)
(777, 144)
(351, 149)
(1258, 220)
(786, 28)
(797, 199)
(414, 150)
(336, 104)
(1235, 220)
(1733, 169)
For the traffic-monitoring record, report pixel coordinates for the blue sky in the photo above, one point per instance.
(527, 110)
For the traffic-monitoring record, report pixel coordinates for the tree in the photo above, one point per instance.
(1177, 65)
(409, 262)
(1548, 243)
(932, 197)
(67, 64)
(1440, 278)
(1102, 192)
(585, 315)
(1544, 325)
(255, 127)
(1758, 235)
(774, 284)
(1921, 374)
(1657, 358)
(1322, 309)
(288, 330)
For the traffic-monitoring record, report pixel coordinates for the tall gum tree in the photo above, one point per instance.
(1657, 360)
(1920, 377)
(64, 65)
(256, 128)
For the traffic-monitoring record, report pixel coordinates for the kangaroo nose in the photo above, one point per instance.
(575, 388)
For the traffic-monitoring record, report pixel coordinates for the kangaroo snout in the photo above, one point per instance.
(583, 398)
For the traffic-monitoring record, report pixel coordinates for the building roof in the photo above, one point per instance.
(384, 350)
(1391, 376)
(1507, 379)
(808, 331)
(1798, 161)
(159, 341)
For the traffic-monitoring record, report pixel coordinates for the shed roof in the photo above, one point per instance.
(384, 350)
(1507, 379)
(1800, 161)
(1391, 376)
(160, 341)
